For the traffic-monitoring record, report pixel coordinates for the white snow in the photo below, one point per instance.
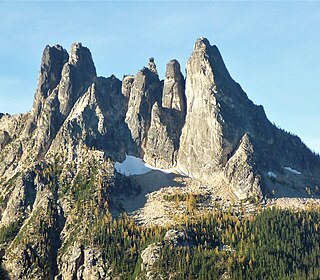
(272, 175)
(136, 166)
(293, 170)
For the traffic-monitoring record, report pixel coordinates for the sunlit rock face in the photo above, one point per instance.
(218, 118)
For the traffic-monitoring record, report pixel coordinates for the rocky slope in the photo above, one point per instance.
(57, 176)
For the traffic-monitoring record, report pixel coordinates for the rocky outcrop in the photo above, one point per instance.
(173, 96)
(77, 75)
(95, 121)
(160, 149)
(201, 146)
(241, 170)
(167, 120)
(162, 144)
(145, 91)
(11, 128)
(152, 254)
(62, 80)
(176, 237)
(149, 257)
(53, 60)
(152, 66)
(81, 263)
(127, 86)
(19, 199)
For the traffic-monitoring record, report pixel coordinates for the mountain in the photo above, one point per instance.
(226, 133)
(58, 163)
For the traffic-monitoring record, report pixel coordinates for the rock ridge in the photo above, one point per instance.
(57, 163)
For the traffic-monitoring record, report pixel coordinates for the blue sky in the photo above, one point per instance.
(271, 48)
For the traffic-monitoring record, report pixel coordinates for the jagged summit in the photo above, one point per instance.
(152, 66)
(202, 117)
(173, 89)
(53, 59)
(201, 43)
(57, 163)
(204, 52)
(82, 55)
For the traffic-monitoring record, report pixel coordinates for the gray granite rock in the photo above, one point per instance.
(152, 66)
(173, 96)
(219, 113)
(163, 139)
(145, 91)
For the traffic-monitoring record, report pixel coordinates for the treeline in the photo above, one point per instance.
(275, 244)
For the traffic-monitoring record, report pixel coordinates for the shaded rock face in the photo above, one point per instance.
(145, 91)
(161, 147)
(11, 129)
(152, 66)
(127, 86)
(240, 171)
(77, 75)
(62, 80)
(19, 201)
(173, 96)
(167, 120)
(96, 120)
(4, 138)
(53, 60)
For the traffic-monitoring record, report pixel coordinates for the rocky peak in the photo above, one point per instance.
(152, 66)
(127, 85)
(53, 59)
(62, 80)
(201, 143)
(201, 44)
(145, 91)
(203, 53)
(218, 115)
(240, 170)
(81, 57)
(173, 96)
(50, 74)
(77, 75)
(167, 120)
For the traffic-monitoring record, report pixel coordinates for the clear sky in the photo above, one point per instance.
(271, 48)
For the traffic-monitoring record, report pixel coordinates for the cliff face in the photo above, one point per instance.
(220, 119)
(167, 120)
(57, 162)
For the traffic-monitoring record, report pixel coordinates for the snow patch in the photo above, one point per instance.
(136, 166)
(293, 170)
(272, 175)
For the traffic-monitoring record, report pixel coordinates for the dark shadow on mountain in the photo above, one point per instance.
(296, 186)
(3, 273)
(129, 194)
